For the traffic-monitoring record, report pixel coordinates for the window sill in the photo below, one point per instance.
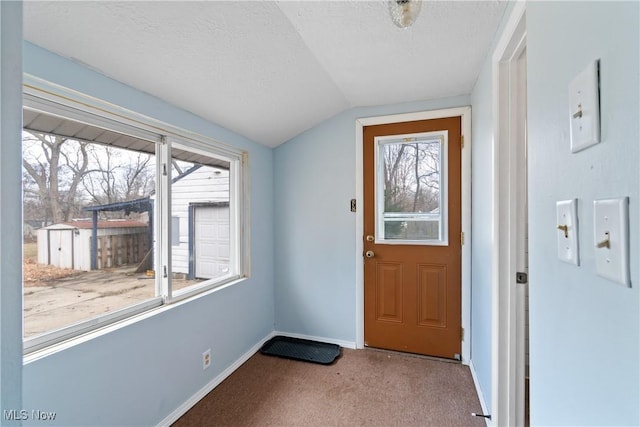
(36, 354)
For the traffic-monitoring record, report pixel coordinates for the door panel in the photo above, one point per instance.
(432, 288)
(389, 292)
(413, 200)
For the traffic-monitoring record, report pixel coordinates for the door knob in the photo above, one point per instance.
(369, 254)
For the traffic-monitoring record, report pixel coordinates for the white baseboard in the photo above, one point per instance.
(182, 409)
(341, 343)
(483, 402)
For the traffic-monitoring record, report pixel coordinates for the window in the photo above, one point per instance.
(411, 199)
(200, 196)
(175, 231)
(121, 215)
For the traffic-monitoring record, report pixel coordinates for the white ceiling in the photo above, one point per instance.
(271, 70)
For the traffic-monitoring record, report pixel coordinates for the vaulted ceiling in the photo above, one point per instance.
(270, 70)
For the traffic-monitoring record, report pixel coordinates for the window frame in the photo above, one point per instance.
(41, 95)
(442, 137)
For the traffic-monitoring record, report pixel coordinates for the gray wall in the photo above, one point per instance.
(140, 373)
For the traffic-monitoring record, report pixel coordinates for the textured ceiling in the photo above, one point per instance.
(271, 70)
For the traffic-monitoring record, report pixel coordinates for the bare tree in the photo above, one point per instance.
(61, 175)
(101, 185)
(119, 176)
(395, 177)
(138, 177)
(55, 166)
(427, 171)
(412, 177)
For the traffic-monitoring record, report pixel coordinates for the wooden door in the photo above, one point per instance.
(412, 236)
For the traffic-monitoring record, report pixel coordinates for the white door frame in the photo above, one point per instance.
(465, 114)
(507, 401)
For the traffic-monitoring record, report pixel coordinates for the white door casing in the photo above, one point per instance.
(465, 114)
(507, 358)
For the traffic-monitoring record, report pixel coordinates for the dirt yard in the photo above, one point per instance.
(58, 297)
(34, 274)
(40, 275)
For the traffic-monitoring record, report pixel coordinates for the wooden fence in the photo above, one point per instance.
(123, 249)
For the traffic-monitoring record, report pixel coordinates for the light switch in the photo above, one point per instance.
(611, 239)
(567, 231)
(584, 108)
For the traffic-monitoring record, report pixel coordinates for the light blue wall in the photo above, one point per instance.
(10, 208)
(585, 336)
(315, 266)
(481, 219)
(584, 329)
(482, 242)
(141, 373)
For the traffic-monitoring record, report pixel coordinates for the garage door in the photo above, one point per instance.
(211, 242)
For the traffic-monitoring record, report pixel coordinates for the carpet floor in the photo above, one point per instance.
(362, 388)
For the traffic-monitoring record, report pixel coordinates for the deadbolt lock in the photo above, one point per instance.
(370, 238)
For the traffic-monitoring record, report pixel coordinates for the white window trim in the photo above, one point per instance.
(41, 95)
(67, 332)
(443, 137)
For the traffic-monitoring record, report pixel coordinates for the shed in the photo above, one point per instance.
(68, 244)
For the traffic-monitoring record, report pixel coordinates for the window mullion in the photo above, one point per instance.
(163, 221)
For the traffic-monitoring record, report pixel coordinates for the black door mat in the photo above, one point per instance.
(299, 349)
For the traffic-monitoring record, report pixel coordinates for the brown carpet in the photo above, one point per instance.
(362, 388)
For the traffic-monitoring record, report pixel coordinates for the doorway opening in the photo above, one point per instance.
(464, 113)
(412, 258)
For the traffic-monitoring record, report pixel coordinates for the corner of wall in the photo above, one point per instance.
(10, 212)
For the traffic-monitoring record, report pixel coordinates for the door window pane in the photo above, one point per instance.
(411, 188)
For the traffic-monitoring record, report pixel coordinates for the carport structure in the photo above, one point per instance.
(144, 204)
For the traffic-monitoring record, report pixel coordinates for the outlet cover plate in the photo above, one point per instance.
(206, 359)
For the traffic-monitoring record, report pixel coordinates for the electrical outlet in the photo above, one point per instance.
(206, 359)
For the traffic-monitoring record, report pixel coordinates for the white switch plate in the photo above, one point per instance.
(567, 216)
(611, 220)
(584, 108)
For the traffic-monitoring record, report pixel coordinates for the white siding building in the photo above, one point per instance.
(200, 223)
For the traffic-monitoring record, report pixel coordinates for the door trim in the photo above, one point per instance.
(465, 114)
(506, 407)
